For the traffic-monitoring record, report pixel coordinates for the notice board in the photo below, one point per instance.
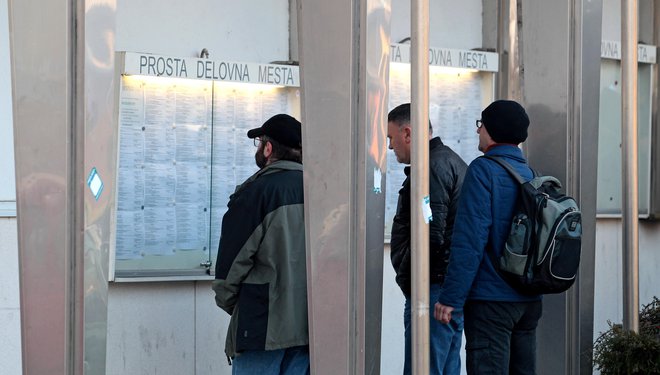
(609, 194)
(182, 151)
(456, 99)
(609, 199)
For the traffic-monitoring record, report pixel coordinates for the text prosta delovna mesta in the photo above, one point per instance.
(219, 70)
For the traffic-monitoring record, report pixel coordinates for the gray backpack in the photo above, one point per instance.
(542, 251)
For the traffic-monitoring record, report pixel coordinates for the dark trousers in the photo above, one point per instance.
(500, 337)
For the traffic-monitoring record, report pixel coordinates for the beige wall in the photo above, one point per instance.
(10, 320)
(608, 291)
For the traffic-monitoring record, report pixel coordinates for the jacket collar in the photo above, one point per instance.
(277, 166)
(506, 150)
(435, 142)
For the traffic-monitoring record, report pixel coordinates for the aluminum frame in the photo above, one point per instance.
(564, 115)
(344, 61)
(629, 149)
(46, 92)
(654, 190)
(62, 70)
(419, 173)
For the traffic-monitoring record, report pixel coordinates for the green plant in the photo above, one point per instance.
(621, 352)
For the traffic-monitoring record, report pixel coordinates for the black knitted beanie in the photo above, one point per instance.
(506, 121)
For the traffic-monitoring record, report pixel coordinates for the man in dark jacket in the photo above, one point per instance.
(446, 174)
(500, 323)
(261, 276)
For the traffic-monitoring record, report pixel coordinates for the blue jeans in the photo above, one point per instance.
(444, 339)
(501, 337)
(289, 361)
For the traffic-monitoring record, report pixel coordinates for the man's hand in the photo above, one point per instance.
(442, 313)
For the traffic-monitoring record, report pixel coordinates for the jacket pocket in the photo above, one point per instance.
(479, 359)
(252, 317)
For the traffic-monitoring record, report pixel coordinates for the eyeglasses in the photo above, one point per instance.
(256, 141)
(479, 124)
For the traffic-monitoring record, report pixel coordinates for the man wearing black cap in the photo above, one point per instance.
(260, 273)
(500, 323)
(446, 173)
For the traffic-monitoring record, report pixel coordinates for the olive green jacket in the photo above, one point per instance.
(261, 278)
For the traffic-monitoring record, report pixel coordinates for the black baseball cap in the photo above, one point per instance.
(282, 128)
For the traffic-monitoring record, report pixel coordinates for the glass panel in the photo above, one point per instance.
(457, 98)
(183, 149)
(609, 196)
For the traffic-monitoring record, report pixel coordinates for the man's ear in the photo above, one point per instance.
(268, 149)
(407, 132)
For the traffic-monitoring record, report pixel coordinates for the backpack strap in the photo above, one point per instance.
(516, 176)
(508, 167)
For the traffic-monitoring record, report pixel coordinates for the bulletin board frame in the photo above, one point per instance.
(609, 173)
(182, 149)
(461, 85)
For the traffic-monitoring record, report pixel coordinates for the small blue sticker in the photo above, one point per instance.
(95, 184)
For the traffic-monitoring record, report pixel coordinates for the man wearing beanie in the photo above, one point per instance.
(500, 323)
(446, 174)
(260, 273)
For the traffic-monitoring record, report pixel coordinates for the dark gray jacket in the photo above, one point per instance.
(261, 277)
(446, 174)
